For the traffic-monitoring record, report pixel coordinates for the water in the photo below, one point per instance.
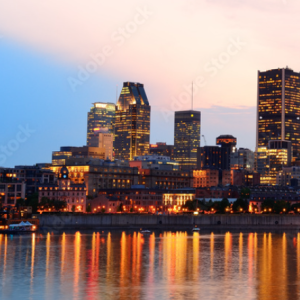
(163, 265)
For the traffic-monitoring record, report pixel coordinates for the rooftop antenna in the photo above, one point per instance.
(192, 95)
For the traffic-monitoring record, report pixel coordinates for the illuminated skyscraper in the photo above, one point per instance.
(278, 108)
(100, 120)
(187, 138)
(132, 122)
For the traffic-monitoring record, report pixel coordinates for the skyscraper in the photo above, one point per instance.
(132, 122)
(100, 120)
(187, 138)
(278, 108)
(228, 144)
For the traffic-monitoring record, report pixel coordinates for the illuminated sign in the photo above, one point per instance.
(100, 105)
(153, 146)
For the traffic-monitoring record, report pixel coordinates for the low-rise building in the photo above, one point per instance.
(210, 177)
(244, 177)
(64, 190)
(12, 191)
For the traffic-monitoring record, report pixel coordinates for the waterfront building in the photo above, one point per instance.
(64, 190)
(165, 179)
(162, 149)
(187, 131)
(100, 120)
(174, 200)
(228, 146)
(103, 176)
(31, 175)
(132, 200)
(259, 194)
(11, 191)
(278, 108)
(132, 122)
(242, 159)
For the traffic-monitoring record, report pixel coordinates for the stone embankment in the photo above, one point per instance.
(130, 221)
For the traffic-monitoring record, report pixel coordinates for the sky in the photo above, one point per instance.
(58, 57)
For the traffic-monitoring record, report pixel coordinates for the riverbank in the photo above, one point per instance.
(128, 221)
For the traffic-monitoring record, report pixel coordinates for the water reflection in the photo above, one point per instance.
(168, 265)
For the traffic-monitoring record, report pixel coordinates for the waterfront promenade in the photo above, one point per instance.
(128, 221)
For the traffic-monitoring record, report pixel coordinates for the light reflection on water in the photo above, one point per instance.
(167, 265)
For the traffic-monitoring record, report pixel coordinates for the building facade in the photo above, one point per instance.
(64, 190)
(162, 149)
(187, 130)
(101, 119)
(278, 108)
(132, 122)
(228, 146)
(242, 159)
(10, 192)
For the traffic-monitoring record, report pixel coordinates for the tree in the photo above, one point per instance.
(296, 207)
(267, 205)
(33, 201)
(223, 205)
(73, 208)
(281, 206)
(240, 205)
(20, 202)
(120, 208)
(88, 208)
(189, 205)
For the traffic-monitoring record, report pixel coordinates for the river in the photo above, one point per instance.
(161, 265)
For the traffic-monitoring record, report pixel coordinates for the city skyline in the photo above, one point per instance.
(41, 65)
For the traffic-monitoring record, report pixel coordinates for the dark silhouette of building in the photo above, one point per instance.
(228, 145)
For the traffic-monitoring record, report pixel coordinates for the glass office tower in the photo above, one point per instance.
(100, 120)
(187, 138)
(278, 108)
(132, 122)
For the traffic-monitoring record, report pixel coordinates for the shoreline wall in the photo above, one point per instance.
(127, 221)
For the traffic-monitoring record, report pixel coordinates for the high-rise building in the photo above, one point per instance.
(187, 138)
(278, 108)
(279, 155)
(243, 158)
(104, 141)
(100, 120)
(228, 146)
(210, 157)
(132, 122)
